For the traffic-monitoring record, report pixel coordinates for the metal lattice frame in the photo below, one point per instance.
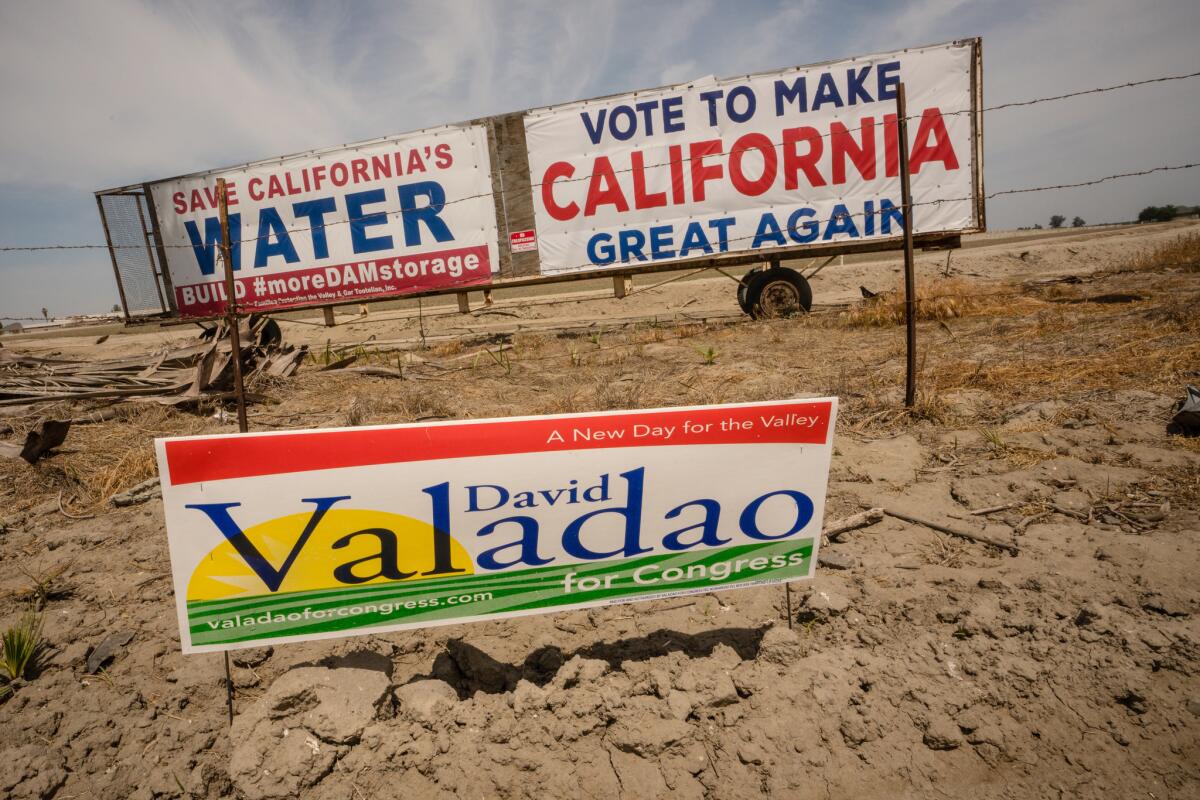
(135, 261)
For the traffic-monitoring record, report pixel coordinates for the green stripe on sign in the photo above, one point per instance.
(412, 602)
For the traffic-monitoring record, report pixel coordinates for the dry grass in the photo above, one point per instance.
(97, 461)
(1182, 252)
(945, 299)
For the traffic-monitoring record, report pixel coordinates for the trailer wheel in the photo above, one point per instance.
(778, 292)
(743, 289)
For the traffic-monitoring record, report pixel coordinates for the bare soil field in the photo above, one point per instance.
(915, 664)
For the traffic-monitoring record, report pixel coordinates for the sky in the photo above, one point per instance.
(96, 95)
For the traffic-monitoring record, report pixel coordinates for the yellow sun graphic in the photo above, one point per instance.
(223, 573)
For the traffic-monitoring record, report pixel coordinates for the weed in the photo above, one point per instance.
(1181, 252)
(22, 643)
(708, 354)
(502, 359)
(994, 440)
(45, 586)
(576, 360)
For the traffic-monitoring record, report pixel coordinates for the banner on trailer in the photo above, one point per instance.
(408, 214)
(799, 157)
(290, 536)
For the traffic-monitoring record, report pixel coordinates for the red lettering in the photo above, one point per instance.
(255, 189)
(640, 198)
(891, 146)
(444, 157)
(737, 174)
(675, 158)
(793, 161)
(415, 164)
(559, 169)
(607, 194)
(381, 167)
(941, 150)
(179, 200)
(318, 173)
(842, 144)
(339, 178)
(291, 188)
(274, 187)
(358, 168)
(701, 172)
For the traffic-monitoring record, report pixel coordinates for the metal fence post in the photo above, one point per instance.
(910, 288)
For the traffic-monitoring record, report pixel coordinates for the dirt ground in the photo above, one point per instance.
(915, 664)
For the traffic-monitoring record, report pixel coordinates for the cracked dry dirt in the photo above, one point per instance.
(915, 664)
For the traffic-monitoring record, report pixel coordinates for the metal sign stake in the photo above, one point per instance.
(235, 345)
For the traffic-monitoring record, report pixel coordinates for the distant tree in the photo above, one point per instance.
(1037, 226)
(1158, 213)
(116, 309)
(1078, 222)
(45, 315)
(1057, 221)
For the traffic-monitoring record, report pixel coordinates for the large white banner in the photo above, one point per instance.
(799, 157)
(398, 216)
(295, 535)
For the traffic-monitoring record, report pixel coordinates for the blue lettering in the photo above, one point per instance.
(595, 130)
(600, 249)
(749, 518)
(526, 545)
(218, 513)
(631, 512)
(768, 232)
(796, 93)
(722, 227)
(751, 102)
(694, 239)
(840, 221)
(661, 241)
(359, 222)
(428, 214)
(711, 97)
(206, 251)
(888, 77)
(473, 497)
(812, 228)
(631, 243)
(627, 113)
(315, 211)
(826, 92)
(672, 109)
(855, 85)
(890, 214)
(270, 224)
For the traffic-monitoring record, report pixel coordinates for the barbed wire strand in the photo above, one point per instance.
(372, 218)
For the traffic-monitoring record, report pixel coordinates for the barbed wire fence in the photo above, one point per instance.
(790, 230)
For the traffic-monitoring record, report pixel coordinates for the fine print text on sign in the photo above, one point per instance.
(289, 536)
(799, 157)
(394, 217)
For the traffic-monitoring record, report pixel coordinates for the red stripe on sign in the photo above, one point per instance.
(244, 456)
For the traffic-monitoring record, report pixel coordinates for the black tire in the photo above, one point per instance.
(743, 289)
(778, 292)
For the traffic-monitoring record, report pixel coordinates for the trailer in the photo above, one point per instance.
(759, 170)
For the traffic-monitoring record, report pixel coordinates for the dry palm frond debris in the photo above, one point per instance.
(177, 376)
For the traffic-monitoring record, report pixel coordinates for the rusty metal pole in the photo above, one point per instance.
(235, 345)
(910, 281)
(231, 306)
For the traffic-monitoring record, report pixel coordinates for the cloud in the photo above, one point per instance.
(102, 94)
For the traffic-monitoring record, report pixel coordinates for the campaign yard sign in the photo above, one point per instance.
(398, 216)
(290, 536)
(783, 159)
